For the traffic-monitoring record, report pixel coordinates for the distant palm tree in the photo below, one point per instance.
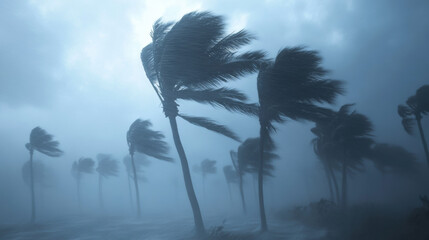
(231, 176)
(189, 60)
(394, 159)
(417, 107)
(42, 142)
(83, 165)
(347, 138)
(206, 166)
(107, 167)
(289, 88)
(142, 139)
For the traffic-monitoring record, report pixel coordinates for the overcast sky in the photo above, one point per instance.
(73, 68)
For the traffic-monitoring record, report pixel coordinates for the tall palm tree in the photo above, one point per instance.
(231, 176)
(189, 60)
(289, 87)
(82, 166)
(42, 142)
(107, 167)
(417, 107)
(206, 166)
(142, 139)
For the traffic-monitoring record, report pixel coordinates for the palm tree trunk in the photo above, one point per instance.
(187, 177)
(137, 187)
(334, 180)
(344, 186)
(100, 194)
(328, 177)
(243, 202)
(129, 190)
(422, 135)
(33, 203)
(264, 226)
(78, 193)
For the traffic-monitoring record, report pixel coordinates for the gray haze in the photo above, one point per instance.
(73, 68)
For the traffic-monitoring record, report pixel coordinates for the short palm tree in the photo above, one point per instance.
(289, 87)
(82, 166)
(141, 138)
(417, 106)
(42, 142)
(107, 167)
(346, 136)
(206, 167)
(189, 60)
(231, 177)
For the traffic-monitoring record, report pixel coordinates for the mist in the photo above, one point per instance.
(85, 72)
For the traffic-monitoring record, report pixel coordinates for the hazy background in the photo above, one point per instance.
(73, 68)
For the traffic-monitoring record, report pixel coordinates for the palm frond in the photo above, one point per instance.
(208, 166)
(211, 125)
(391, 158)
(43, 142)
(144, 140)
(408, 124)
(249, 157)
(230, 99)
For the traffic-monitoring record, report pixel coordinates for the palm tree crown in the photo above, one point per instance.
(142, 139)
(43, 142)
(249, 157)
(107, 165)
(83, 165)
(416, 107)
(189, 59)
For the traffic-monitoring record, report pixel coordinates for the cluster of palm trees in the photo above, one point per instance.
(193, 59)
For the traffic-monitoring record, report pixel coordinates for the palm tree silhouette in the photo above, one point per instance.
(206, 166)
(417, 107)
(42, 142)
(289, 88)
(107, 167)
(347, 138)
(79, 167)
(189, 60)
(142, 139)
(231, 177)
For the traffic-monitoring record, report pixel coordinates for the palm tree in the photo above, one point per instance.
(417, 107)
(206, 166)
(42, 142)
(142, 139)
(394, 159)
(189, 60)
(231, 176)
(346, 136)
(289, 88)
(83, 165)
(107, 167)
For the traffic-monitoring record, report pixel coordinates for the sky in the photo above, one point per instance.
(73, 68)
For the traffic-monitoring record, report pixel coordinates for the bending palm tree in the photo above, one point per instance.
(289, 88)
(107, 166)
(83, 165)
(231, 176)
(206, 166)
(142, 139)
(188, 60)
(417, 107)
(42, 142)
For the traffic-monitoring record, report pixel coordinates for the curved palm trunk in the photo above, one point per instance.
(243, 202)
(100, 194)
(264, 226)
(334, 180)
(328, 177)
(33, 203)
(187, 177)
(344, 185)
(422, 135)
(137, 186)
